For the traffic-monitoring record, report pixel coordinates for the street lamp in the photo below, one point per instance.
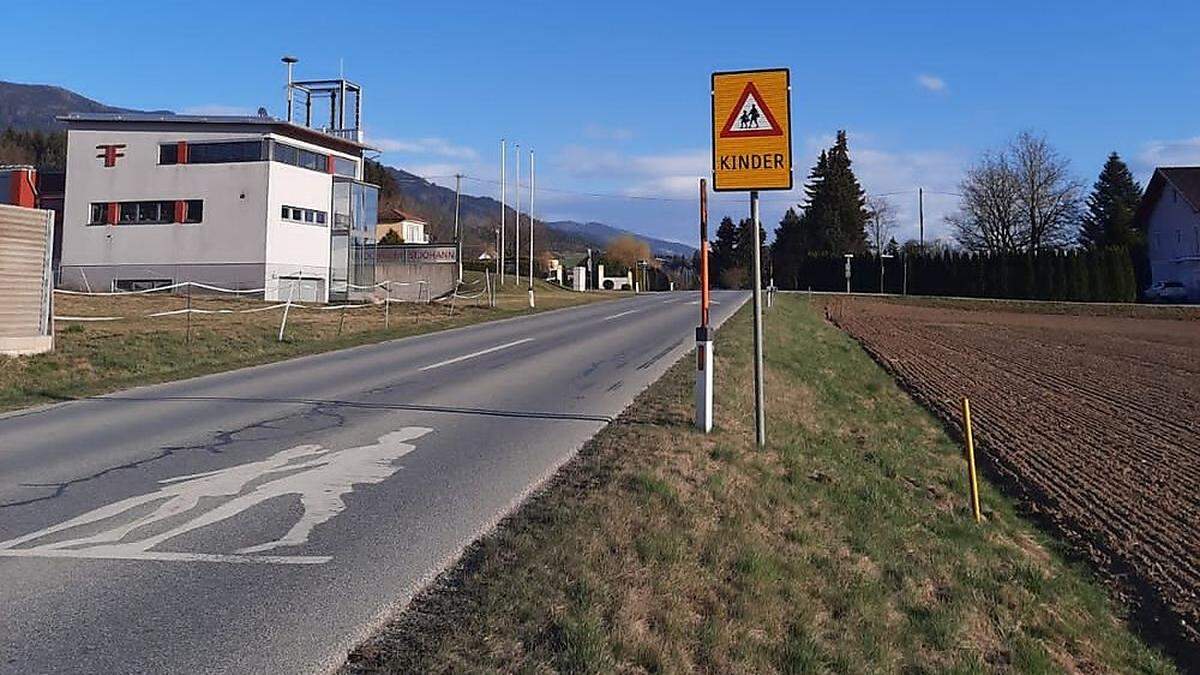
(848, 256)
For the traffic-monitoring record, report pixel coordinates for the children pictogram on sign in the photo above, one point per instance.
(751, 117)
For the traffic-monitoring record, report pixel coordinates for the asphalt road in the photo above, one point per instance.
(268, 519)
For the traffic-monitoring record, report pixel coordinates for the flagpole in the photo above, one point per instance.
(531, 179)
(503, 206)
(517, 229)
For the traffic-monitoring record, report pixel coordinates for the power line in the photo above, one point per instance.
(783, 198)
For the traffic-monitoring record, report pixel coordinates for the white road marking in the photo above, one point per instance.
(621, 314)
(321, 477)
(481, 352)
(104, 553)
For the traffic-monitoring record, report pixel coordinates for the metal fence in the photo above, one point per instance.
(26, 274)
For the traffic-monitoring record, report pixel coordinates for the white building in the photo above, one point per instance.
(240, 202)
(409, 228)
(1170, 216)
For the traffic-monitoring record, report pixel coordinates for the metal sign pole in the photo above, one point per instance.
(760, 421)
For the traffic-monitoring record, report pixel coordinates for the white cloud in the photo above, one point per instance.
(437, 147)
(882, 172)
(585, 162)
(674, 175)
(602, 133)
(675, 187)
(931, 82)
(441, 173)
(1181, 152)
(217, 109)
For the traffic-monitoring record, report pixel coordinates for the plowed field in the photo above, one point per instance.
(1093, 421)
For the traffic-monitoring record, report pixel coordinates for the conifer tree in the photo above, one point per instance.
(745, 244)
(1062, 277)
(724, 249)
(787, 251)
(835, 214)
(1111, 207)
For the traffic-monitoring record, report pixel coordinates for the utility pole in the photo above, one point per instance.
(517, 201)
(760, 419)
(503, 208)
(457, 230)
(921, 214)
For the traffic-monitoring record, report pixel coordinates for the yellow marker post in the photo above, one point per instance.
(971, 460)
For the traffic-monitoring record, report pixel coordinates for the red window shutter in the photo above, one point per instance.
(328, 163)
(113, 213)
(181, 154)
(180, 208)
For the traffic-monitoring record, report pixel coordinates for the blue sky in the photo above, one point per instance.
(614, 96)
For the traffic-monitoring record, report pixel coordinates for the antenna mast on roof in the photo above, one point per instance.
(290, 61)
(339, 92)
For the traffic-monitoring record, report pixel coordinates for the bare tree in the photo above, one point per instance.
(881, 221)
(1020, 199)
(989, 217)
(1050, 196)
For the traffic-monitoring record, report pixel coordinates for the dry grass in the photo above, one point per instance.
(845, 546)
(96, 357)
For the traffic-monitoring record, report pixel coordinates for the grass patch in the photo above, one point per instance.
(97, 357)
(845, 546)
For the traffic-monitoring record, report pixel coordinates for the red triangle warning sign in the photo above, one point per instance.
(750, 117)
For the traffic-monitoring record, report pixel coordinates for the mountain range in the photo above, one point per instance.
(33, 107)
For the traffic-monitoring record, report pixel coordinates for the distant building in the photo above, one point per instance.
(244, 202)
(410, 229)
(554, 270)
(31, 188)
(1169, 214)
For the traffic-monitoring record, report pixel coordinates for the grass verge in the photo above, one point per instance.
(97, 357)
(845, 546)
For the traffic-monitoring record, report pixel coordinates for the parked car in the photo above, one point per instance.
(1167, 291)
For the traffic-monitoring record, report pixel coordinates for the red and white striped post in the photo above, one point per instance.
(704, 333)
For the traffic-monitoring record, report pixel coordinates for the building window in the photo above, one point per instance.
(221, 153)
(193, 211)
(297, 215)
(99, 213)
(214, 153)
(139, 284)
(160, 212)
(349, 168)
(306, 159)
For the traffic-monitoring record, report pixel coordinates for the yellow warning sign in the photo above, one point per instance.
(752, 131)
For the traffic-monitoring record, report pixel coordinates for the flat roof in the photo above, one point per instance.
(286, 128)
